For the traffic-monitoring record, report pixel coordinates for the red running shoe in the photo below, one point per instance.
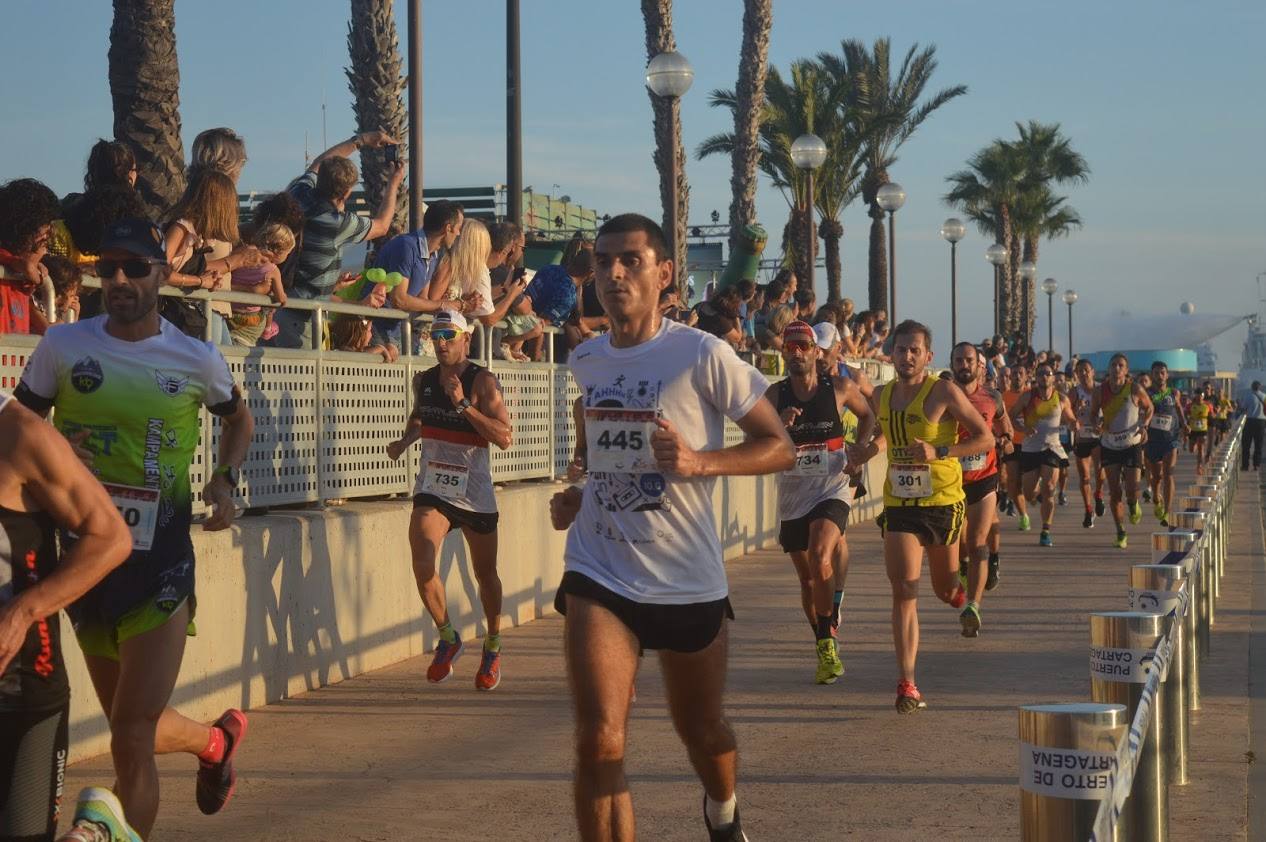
(217, 781)
(959, 599)
(489, 675)
(909, 699)
(442, 664)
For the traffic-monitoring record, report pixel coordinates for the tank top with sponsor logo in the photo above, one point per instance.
(818, 435)
(910, 482)
(455, 464)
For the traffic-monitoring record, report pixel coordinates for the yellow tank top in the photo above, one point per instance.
(1199, 415)
(1041, 409)
(1224, 409)
(900, 428)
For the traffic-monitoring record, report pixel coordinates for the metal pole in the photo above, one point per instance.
(514, 118)
(953, 294)
(1209, 538)
(672, 218)
(997, 304)
(810, 239)
(1163, 588)
(1058, 804)
(1070, 331)
(1195, 522)
(1119, 643)
(1180, 547)
(1050, 322)
(892, 270)
(415, 114)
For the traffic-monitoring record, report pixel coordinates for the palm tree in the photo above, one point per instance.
(893, 107)
(377, 92)
(789, 111)
(657, 15)
(758, 16)
(1049, 159)
(987, 192)
(145, 89)
(1038, 213)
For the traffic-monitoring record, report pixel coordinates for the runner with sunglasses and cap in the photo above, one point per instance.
(813, 495)
(128, 388)
(457, 412)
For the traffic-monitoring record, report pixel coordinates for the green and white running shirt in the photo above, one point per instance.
(141, 403)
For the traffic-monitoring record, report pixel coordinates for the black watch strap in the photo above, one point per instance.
(230, 473)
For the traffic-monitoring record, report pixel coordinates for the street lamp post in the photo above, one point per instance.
(997, 255)
(1070, 298)
(808, 152)
(953, 230)
(1049, 286)
(669, 75)
(891, 197)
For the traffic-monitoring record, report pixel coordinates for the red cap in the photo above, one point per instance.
(799, 331)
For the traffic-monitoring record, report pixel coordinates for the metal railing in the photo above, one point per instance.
(1101, 771)
(323, 418)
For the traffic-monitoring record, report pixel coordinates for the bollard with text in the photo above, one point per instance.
(1162, 588)
(1179, 547)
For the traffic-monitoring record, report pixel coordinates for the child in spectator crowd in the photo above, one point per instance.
(248, 322)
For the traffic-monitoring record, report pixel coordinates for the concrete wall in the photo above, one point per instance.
(292, 601)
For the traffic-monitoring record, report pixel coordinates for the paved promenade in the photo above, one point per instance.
(388, 757)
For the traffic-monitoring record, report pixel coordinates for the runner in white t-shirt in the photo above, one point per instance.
(643, 566)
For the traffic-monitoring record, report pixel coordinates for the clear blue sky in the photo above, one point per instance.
(1163, 98)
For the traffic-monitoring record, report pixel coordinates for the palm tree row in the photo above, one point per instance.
(864, 113)
(1007, 191)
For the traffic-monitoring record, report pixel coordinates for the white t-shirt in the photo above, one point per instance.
(648, 537)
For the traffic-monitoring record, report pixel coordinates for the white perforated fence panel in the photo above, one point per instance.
(565, 393)
(362, 408)
(280, 390)
(13, 356)
(527, 389)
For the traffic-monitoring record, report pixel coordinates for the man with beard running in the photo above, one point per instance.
(918, 422)
(127, 389)
(643, 566)
(1199, 413)
(1163, 439)
(1126, 411)
(980, 484)
(457, 412)
(1086, 441)
(813, 496)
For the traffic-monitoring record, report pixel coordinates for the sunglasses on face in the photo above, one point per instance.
(133, 267)
(445, 334)
(797, 344)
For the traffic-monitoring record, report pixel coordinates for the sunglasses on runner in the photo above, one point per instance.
(792, 344)
(133, 267)
(445, 334)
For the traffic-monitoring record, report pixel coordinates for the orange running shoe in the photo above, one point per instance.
(959, 599)
(489, 675)
(442, 664)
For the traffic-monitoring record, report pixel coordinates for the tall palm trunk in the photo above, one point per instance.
(832, 233)
(877, 264)
(749, 97)
(1030, 254)
(795, 243)
(145, 89)
(377, 93)
(1019, 286)
(1006, 285)
(658, 18)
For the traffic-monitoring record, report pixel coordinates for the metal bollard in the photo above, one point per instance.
(1214, 492)
(1195, 522)
(1210, 540)
(1122, 644)
(1179, 547)
(1068, 753)
(1161, 588)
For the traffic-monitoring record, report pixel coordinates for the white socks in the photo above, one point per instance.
(720, 813)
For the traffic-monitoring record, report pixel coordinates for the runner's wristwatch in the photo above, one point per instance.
(230, 473)
(942, 452)
(463, 405)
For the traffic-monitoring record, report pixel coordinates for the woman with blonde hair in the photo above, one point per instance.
(220, 149)
(463, 275)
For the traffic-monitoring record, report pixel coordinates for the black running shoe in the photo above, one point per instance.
(217, 781)
(1147, 495)
(1098, 507)
(991, 581)
(732, 832)
(1088, 521)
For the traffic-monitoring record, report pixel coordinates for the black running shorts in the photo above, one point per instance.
(1130, 457)
(483, 523)
(1085, 448)
(935, 526)
(33, 749)
(1035, 461)
(979, 489)
(675, 628)
(794, 534)
(1013, 456)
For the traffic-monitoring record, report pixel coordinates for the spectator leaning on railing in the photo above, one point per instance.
(27, 211)
(554, 288)
(329, 226)
(416, 255)
(249, 320)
